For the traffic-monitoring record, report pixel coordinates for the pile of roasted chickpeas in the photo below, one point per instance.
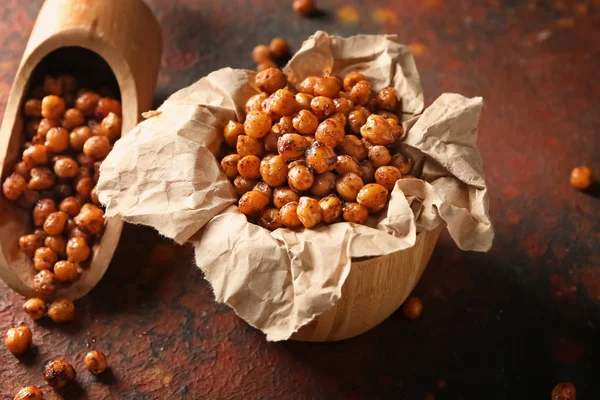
(69, 131)
(326, 151)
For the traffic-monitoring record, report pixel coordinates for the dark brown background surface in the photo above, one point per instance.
(508, 324)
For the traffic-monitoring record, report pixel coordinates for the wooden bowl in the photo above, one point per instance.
(374, 289)
(118, 39)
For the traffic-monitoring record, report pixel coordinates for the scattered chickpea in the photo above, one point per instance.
(308, 85)
(274, 171)
(55, 223)
(29, 244)
(377, 131)
(35, 308)
(249, 167)
(14, 186)
(261, 53)
(106, 106)
(303, 100)
(42, 178)
(581, 178)
(43, 282)
(29, 393)
(18, 340)
(283, 102)
(279, 47)
(412, 308)
(291, 146)
(304, 7)
(229, 165)
(564, 391)
(330, 132)
(387, 99)
(271, 80)
(111, 126)
(254, 102)
(320, 158)
(72, 118)
(61, 310)
(21, 168)
(300, 178)
(59, 373)
(95, 362)
(403, 163)
(33, 108)
(324, 184)
(352, 146)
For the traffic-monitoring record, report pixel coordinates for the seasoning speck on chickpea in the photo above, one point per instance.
(18, 340)
(59, 373)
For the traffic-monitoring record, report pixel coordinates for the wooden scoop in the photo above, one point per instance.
(117, 39)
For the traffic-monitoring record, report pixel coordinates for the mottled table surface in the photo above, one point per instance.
(508, 324)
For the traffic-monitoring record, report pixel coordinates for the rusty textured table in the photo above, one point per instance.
(508, 324)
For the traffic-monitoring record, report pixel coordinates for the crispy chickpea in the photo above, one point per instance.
(73, 118)
(356, 213)
(379, 156)
(324, 184)
(254, 102)
(397, 129)
(306, 122)
(270, 141)
(412, 308)
(70, 205)
(387, 176)
(328, 86)
(320, 158)
(45, 125)
(35, 155)
(41, 178)
(286, 124)
(43, 282)
(388, 115)
(107, 105)
(77, 249)
(31, 128)
(249, 167)
(284, 195)
(291, 146)
(308, 211)
(279, 47)
(289, 215)
(582, 177)
(42, 210)
(44, 258)
(352, 79)
(348, 186)
(55, 223)
(261, 53)
(377, 131)
(300, 178)
(331, 208)
(404, 164)
(14, 186)
(35, 308)
(28, 199)
(330, 132)
(322, 107)
(283, 102)
(268, 109)
(85, 161)
(373, 197)
(58, 373)
(308, 85)
(29, 393)
(360, 93)
(18, 340)
(343, 106)
(84, 187)
(247, 145)
(253, 203)
(65, 271)
(345, 164)
(79, 136)
(232, 131)
(265, 189)
(270, 80)
(356, 120)
(243, 185)
(303, 100)
(564, 391)
(66, 168)
(352, 146)
(90, 219)
(22, 169)
(111, 127)
(58, 244)
(387, 99)
(257, 124)
(274, 170)
(53, 107)
(97, 147)
(270, 219)
(33, 108)
(229, 164)
(57, 139)
(304, 7)
(95, 362)
(29, 244)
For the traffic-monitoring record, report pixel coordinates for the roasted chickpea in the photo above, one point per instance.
(306, 122)
(373, 196)
(254, 102)
(270, 141)
(270, 80)
(243, 185)
(268, 109)
(232, 131)
(42, 210)
(111, 127)
(300, 178)
(55, 223)
(308, 211)
(57, 244)
(57, 139)
(345, 164)
(387, 99)
(279, 47)
(582, 178)
(66, 168)
(28, 199)
(35, 308)
(274, 171)
(331, 208)
(43, 282)
(90, 219)
(79, 136)
(247, 145)
(229, 164)
(85, 161)
(29, 393)
(377, 131)
(291, 146)
(261, 53)
(253, 203)
(35, 155)
(330, 132)
(404, 164)
(70, 205)
(286, 124)
(328, 86)
(97, 147)
(360, 93)
(21, 168)
(270, 219)
(356, 120)
(53, 107)
(564, 391)
(322, 107)
(62, 310)
(303, 100)
(289, 215)
(14, 186)
(73, 118)
(387, 176)
(249, 167)
(341, 118)
(77, 249)
(68, 82)
(300, 161)
(412, 308)
(95, 362)
(352, 146)
(284, 195)
(324, 184)
(265, 189)
(379, 156)
(304, 7)
(33, 108)
(356, 213)
(18, 340)
(343, 106)
(106, 106)
(265, 65)
(320, 158)
(397, 129)
(44, 258)
(65, 271)
(283, 102)
(41, 178)
(29, 244)
(45, 125)
(348, 186)
(388, 115)
(352, 79)
(84, 187)
(58, 373)
(257, 124)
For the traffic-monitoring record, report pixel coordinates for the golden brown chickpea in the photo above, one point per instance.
(111, 127)
(79, 136)
(58, 244)
(70, 205)
(373, 197)
(328, 86)
(97, 147)
(55, 223)
(14, 186)
(247, 145)
(348, 186)
(412, 308)
(77, 249)
(249, 167)
(105, 106)
(95, 362)
(73, 118)
(387, 176)
(33, 108)
(303, 100)
(261, 53)
(31, 128)
(345, 164)
(268, 109)
(41, 178)
(324, 184)
(283, 102)
(379, 156)
(306, 122)
(308, 212)
(270, 141)
(257, 124)
(377, 131)
(62, 190)
(356, 120)
(289, 215)
(44, 258)
(330, 132)
(388, 115)
(265, 189)
(270, 219)
(397, 129)
(274, 171)
(35, 308)
(286, 125)
(387, 99)
(304, 7)
(243, 185)
(229, 164)
(85, 161)
(29, 244)
(279, 47)
(65, 271)
(322, 107)
(45, 125)
(232, 131)
(57, 139)
(43, 282)
(300, 178)
(320, 158)
(356, 213)
(360, 93)
(564, 391)
(18, 340)
(253, 203)
(284, 195)
(307, 86)
(582, 177)
(331, 208)
(254, 102)
(90, 219)
(94, 196)
(59, 373)
(53, 85)
(21, 168)
(404, 164)
(35, 155)
(84, 187)
(28, 199)
(343, 106)
(66, 167)
(29, 393)
(291, 146)
(42, 210)
(270, 80)
(53, 107)
(352, 79)
(352, 146)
